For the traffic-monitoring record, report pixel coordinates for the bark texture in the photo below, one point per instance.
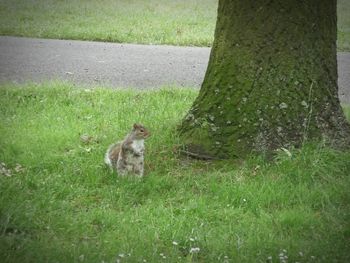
(271, 80)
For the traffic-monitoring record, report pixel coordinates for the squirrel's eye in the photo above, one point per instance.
(141, 130)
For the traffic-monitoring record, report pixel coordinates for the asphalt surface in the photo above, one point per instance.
(116, 65)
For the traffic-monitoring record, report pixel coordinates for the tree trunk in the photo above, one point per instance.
(271, 81)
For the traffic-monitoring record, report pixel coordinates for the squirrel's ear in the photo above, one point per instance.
(135, 126)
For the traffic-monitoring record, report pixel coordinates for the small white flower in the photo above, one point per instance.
(283, 105)
(244, 200)
(194, 249)
(121, 255)
(304, 103)
(191, 239)
(190, 116)
(175, 243)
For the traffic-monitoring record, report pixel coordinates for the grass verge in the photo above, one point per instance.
(59, 203)
(343, 25)
(178, 22)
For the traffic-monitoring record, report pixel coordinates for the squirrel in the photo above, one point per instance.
(127, 156)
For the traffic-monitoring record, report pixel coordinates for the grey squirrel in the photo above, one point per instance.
(127, 156)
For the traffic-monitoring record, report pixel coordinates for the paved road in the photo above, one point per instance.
(116, 65)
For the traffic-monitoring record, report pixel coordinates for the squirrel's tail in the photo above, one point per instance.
(107, 159)
(109, 154)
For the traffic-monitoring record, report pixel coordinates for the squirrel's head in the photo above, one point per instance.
(140, 131)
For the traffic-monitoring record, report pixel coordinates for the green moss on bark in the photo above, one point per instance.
(271, 81)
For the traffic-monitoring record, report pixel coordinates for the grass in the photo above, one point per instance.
(178, 22)
(61, 204)
(343, 25)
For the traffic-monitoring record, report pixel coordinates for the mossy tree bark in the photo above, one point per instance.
(271, 81)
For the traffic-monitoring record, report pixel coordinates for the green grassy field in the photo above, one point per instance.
(344, 25)
(178, 22)
(59, 203)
